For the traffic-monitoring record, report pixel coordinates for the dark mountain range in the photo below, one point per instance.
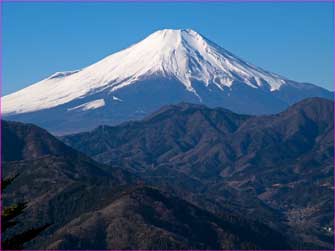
(145, 218)
(278, 168)
(52, 176)
(94, 206)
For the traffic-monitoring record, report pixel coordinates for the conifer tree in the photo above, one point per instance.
(8, 220)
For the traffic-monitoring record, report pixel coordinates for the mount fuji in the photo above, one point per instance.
(167, 67)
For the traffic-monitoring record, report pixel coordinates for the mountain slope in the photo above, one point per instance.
(167, 67)
(145, 218)
(61, 187)
(258, 163)
(54, 179)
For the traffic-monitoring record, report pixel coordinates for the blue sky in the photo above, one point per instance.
(292, 39)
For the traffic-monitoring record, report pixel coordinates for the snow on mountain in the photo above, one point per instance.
(89, 105)
(184, 54)
(167, 67)
(116, 98)
(62, 74)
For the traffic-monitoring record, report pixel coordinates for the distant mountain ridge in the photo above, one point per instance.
(167, 67)
(92, 206)
(275, 166)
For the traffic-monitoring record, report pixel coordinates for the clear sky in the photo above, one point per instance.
(292, 39)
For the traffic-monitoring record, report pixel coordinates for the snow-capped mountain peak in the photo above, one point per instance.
(186, 55)
(167, 67)
(183, 54)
